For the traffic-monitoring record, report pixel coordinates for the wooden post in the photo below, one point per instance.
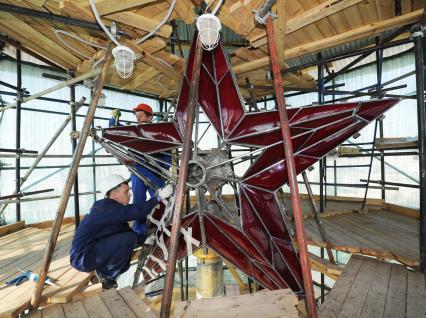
(180, 188)
(318, 218)
(56, 226)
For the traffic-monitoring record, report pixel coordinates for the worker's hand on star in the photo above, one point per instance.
(165, 192)
(116, 113)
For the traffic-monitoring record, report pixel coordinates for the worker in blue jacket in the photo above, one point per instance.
(144, 115)
(104, 241)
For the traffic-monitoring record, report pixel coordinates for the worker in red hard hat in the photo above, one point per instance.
(144, 115)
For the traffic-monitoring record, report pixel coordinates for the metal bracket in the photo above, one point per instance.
(262, 20)
(416, 34)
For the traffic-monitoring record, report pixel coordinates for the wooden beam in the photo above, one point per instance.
(10, 228)
(185, 9)
(355, 34)
(345, 37)
(308, 17)
(280, 27)
(140, 22)
(38, 42)
(75, 10)
(105, 7)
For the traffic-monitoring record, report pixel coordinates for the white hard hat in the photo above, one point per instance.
(110, 182)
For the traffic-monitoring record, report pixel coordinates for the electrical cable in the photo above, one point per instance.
(158, 27)
(101, 24)
(76, 37)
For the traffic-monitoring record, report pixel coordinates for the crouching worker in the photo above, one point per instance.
(104, 242)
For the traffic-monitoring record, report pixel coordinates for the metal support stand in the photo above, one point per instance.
(74, 146)
(18, 131)
(180, 188)
(379, 71)
(420, 59)
(291, 170)
(371, 165)
(56, 226)
(318, 218)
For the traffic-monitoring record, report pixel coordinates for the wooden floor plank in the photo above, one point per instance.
(355, 299)
(10, 228)
(77, 280)
(374, 305)
(5, 240)
(32, 314)
(137, 305)
(75, 310)
(116, 305)
(53, 311)
(388, 241)
(32, 261)
(416, 295)
(95, 307)
(396, 297)
(338, 294)
(398, 222)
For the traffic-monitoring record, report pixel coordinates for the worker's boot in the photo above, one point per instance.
(106, 282)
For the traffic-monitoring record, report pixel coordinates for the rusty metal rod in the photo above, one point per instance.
(180, 188)
(291, 170)
(56, 226)
(318, 218)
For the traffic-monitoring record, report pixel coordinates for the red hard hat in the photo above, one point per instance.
(143, 107)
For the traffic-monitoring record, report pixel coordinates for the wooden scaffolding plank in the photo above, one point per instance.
(334, 301)
(137, 305)
(265, 304)
(396, 297)
(416, 295)
(374, 305)
(96, 308)
(10, 228)
(71, 287)
(7, 239)
(356, 297)
(53, 311)
(31, 261)
(116, 305)
(75, 310)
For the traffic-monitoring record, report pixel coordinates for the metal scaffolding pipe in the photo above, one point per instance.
(74, 110)
(291, 170)
(45, 198)
(56, 226)
(71, 81)
(420, 60)
(18, 130)
(43, 152)
(180, 188)
(318, 218)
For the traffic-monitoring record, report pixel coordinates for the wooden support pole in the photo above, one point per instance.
(180, 188)
(318, 218)
(35, 300)
(291, 171)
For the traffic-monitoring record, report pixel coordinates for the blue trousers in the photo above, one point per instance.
(140, 190)
(111, 255)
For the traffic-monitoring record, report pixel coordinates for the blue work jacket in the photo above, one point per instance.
(107, 217)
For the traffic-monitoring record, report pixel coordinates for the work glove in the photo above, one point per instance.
(28, 275)
(19, 279)
(165, 192)
(116, 113)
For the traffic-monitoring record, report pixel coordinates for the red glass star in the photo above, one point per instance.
(256, 240)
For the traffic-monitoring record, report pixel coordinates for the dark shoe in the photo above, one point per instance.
(106, 282)
(109, 283)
